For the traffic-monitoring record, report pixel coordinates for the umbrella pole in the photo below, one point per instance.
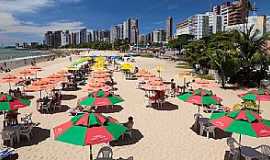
(91, 154)
(9, 85)
(240, 139)
(259, 106)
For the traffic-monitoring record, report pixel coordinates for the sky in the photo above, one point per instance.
(28, 20)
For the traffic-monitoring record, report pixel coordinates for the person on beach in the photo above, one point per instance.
(173, 86)
(129, 124)
(70, 59)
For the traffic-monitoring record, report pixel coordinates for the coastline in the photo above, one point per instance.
(24, 61)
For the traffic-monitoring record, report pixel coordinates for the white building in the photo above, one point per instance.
(184, 27)
(268, 24)
(200, 25)
(259, 23)
(215, 22)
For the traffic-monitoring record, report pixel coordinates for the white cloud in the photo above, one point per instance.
(10, 24)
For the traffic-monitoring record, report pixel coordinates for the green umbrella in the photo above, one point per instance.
(89, 129)
(249, 97)
(101, 98)
(9, 103)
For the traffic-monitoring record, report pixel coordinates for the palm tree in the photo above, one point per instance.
(223, 55)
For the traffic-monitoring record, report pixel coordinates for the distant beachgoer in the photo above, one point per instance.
(173, 87)
(70, 59)
(129, 124)
(5, 64)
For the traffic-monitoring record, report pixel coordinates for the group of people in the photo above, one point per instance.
(16, 92)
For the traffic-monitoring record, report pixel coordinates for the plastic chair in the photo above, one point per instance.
(265, 151)
(234, 151)
(26, 131)
(8, 136)
(105, 153)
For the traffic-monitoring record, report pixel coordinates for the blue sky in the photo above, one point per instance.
(27, 20)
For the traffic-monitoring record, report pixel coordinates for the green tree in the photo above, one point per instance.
(224, 57)
(180, 41)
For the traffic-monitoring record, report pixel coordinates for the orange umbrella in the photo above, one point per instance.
(105, 88)
(155, 86)
(26, 72)
(35, 69)
(10, 79)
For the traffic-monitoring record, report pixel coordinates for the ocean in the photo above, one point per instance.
(12, 53)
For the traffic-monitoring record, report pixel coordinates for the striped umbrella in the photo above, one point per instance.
(89, 129)
(100, 98)
(9, 103)
(244, 122)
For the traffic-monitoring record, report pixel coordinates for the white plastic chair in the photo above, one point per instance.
(26, 131)
(8, 136)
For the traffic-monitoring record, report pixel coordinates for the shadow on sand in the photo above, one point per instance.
(109, 109)
(72, 89)
(167, 106)
(63, 108)
(219, 134)
(38, 135)
(29, 97)
(136, 136)
(67, 97)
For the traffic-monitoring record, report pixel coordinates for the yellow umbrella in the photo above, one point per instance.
(127, 66)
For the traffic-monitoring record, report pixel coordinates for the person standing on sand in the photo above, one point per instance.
(70, 59)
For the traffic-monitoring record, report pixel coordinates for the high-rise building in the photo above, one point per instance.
(267, 24)
(134, 31)
(200, 25)
(83, 35)
(258, 23)
(149, 38)
(159, 36)
(104, 35)
(131, 30)
(169, 28)
(233, 12)
(57, 39)
(215, 22)
(77, 38)
(121, 31)
(116, 33)
(126, 29)
(142, 39)
(184, 27)
(49, 39)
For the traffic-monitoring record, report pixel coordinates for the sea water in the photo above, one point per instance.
(12, 53)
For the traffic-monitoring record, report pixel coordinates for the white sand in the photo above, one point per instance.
(167, 134)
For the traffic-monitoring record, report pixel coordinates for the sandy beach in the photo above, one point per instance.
(166, 133)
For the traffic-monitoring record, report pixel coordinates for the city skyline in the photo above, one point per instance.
(30, 20)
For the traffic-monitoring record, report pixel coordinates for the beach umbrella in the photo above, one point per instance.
(35, 69)
(100, 98)
(259, 94)
(200, 97)
(243, 122)
(26, 72)
(9, 103)
(89, 129)
(155, 86)
(10, 79)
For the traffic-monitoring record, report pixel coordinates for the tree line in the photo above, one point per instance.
(239, 57)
